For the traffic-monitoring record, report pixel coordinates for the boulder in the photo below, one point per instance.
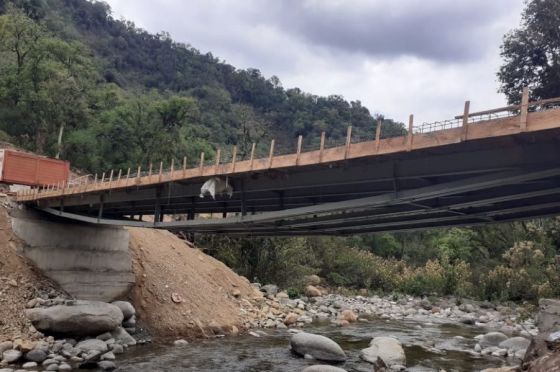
(492, 339)
(311, 291)
(515, 344)
(83, 318)
(548, 319)
(319, 347)
(122, 337)
(11, 356)
(106, 365)
(126, 308)
(92, 345)
(36, 355)
(290, 319)
(546, 363)
(388, 349)
(323, 368)
(348, 315)
(29, 365)
(312, 280)
(270, 289)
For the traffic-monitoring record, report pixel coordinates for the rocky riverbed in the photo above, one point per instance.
(354, 333)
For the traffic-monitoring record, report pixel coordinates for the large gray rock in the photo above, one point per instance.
(36, 355)
(319, 347)
(126, 308)
(515, 344)
(11, 356)
(323, 368)
(93, 344)
(83, 318)
(492, 339)
(388, 349)
(548, 319)
(270, 289)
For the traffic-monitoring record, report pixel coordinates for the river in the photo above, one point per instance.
(270, 352)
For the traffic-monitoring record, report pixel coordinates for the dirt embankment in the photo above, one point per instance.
(20, 282)
(180, 291)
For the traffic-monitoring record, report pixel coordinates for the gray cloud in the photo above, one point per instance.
(449, 31)
(396, 56)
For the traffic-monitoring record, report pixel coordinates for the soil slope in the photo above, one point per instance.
(20, 282)
(180, 291)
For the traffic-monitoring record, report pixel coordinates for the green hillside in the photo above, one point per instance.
(137, 97)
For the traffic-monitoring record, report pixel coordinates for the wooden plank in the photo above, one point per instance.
(466, 120)
(184, 166)
(271, 154)
(252, 155)
(348, 141)
(378, 134)
(322, 147)
(410, 134)
(201, 163)
(233, 158)
(298, 150)
(160, 171)
(172, 168)
(524, 110)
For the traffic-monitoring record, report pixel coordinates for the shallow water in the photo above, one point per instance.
(271, 352)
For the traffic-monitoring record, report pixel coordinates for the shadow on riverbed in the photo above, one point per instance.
(428, 347)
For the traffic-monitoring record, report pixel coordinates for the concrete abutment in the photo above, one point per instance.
(89, 262)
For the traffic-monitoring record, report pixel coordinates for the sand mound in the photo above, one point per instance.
(20, 282)
(181, 291)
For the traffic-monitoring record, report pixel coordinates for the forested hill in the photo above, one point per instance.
(135, 97)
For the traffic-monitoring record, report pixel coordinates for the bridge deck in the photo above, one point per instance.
(481, 171)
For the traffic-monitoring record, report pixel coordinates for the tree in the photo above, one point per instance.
(531, 53)
(44, 83)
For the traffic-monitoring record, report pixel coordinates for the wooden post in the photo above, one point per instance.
(271, 154)
(95, 179)
(465, 120)
(111, 178)
(138, 174)
(150, 172)
(233, 158)
(184, 166)
(172, 168)
(218, 156)
(252, 155)
(322, 147)
(127, 176)
(102, 179)
(524, 109)
(160, 171)
(378, 134)
(348, 141)
(410, 128)
(119, 177)
(298, 153)
(201, 163)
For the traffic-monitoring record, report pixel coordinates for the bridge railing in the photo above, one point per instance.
(154, 173)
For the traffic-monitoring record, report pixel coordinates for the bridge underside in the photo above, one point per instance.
(484, 181)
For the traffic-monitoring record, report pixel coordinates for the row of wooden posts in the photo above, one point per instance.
(64, 186)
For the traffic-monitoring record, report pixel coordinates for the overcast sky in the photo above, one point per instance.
(396, 56)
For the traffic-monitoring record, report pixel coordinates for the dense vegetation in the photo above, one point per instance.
(78, 84)
(102, 93)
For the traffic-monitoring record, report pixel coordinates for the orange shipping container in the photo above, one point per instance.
(32, 170)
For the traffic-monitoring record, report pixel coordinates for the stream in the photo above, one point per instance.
(449, 351)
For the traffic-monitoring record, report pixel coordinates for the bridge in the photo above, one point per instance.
(480, 167)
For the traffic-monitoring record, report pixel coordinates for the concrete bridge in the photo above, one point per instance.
(483, 167)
